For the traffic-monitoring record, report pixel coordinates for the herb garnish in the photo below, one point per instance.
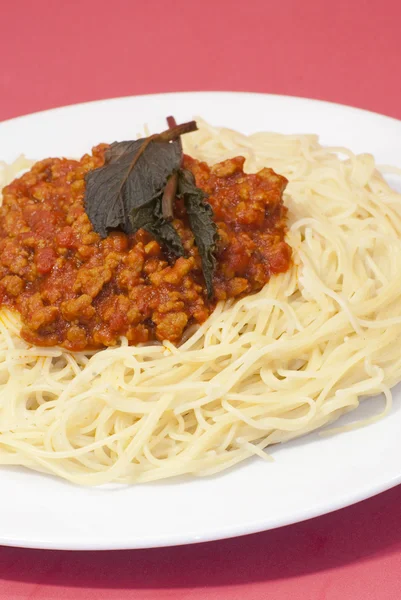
(136, 189)
(200, 216)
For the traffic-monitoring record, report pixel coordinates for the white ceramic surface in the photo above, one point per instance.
(310, 476)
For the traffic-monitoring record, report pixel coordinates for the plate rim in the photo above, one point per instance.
(186, 540)
(49, 111)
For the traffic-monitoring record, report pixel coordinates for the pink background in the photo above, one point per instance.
(56, 53)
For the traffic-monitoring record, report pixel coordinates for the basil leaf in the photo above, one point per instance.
(136, 187)
(150, 218)
(200, 216)
(116, 189)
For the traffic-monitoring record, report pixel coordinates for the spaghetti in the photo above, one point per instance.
(261, 370)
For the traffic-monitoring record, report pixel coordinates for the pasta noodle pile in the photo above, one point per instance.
(261, 370)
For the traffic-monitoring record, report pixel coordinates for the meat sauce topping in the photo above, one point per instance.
(76, 290)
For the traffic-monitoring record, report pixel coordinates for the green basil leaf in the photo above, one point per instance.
(200, 216)
(150, 218)
(116, 189)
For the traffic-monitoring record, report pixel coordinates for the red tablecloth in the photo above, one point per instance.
(55, 53)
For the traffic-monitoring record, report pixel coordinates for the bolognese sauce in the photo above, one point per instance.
(76, 290)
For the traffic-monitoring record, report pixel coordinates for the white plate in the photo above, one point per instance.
(310, 476)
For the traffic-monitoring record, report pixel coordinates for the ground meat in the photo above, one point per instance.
(79, 291)
(250, 216)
